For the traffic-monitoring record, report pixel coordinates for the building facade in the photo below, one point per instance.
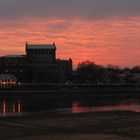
(39, 65)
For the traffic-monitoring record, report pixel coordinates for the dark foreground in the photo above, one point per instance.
(88, 126)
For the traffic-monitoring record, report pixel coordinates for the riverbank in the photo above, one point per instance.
(102, 92)
(87, 126)
(76, 90)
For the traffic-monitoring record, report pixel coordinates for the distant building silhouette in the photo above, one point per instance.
(39, 65)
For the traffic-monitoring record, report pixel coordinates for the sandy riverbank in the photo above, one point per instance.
(87, 126)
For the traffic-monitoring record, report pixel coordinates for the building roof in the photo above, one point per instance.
(40, 46)
(59, 60)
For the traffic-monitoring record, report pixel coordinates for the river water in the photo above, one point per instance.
(21, 105)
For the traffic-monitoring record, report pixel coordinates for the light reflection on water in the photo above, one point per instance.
(10, 106)
(19, 106)
(77, 108)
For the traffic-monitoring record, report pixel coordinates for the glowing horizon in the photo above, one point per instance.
(110, 41)
(106, 32)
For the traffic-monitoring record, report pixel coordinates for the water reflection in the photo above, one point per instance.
(13, 107)
(18, 106)
(10, 106)
(4, 106)
(77, 108)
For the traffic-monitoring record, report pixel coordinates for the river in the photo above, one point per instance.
(25, 105)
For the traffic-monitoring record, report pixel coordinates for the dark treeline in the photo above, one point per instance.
(89, 72)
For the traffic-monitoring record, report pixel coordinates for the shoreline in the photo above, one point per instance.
(116, 125)
(100, 92)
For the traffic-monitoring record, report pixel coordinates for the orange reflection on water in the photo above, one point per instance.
(76, 108)
(19, 105)
(125, 107)
(4, 106)
(13, 107)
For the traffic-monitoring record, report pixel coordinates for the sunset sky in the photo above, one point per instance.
(103, 31)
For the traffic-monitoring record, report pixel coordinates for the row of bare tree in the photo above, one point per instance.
(89, 72)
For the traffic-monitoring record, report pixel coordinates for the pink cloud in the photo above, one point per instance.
(110, 41)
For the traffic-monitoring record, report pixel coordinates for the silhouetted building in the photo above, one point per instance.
(39, 65)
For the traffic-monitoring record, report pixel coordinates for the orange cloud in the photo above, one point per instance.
(110, 41)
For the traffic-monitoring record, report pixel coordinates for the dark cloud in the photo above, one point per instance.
(69, 8)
